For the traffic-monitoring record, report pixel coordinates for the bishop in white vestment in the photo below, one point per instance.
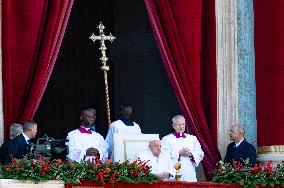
(85, 144)
(184, 148)
(80, 142)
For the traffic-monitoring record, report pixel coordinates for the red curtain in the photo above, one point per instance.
(32, 32)
(269, 57)
(185, 34)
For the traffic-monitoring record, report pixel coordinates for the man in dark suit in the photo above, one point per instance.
(20, 145)
(240, 149)
(15, 130)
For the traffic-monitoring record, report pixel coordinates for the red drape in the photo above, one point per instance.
(165, 184)
(32, 32)
(269, 61)
(185, 34)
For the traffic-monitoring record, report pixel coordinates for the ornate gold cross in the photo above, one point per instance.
(102, 38)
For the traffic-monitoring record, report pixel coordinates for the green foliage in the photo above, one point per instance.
(43, 170)
(249, 177)
(24, 169)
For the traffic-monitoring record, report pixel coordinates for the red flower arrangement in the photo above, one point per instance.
(25, 169)
(250, 177)
(43, 170)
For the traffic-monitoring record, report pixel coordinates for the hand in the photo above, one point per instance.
(92, 151)
(185, 152)
(164, 175)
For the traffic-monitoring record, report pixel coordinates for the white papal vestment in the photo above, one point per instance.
(80, 142)
(119, 127)
(160, 164)
(174, 145)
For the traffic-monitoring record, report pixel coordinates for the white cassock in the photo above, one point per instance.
(80, 142)
(119, 127)
(160, 164)
(174, 145)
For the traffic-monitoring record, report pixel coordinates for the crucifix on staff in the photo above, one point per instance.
(102, 38)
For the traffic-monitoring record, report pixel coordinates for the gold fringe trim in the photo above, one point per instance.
(270, 149)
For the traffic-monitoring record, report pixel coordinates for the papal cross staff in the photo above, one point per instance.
(102, 38)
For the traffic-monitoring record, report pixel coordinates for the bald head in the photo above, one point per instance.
(88, 117)
(237, 132)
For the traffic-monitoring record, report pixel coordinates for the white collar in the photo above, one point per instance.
(237, 144)
(85, 127)
(26, 137)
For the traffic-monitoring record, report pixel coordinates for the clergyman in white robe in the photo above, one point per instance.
(183, 148)
(80, 142)
(119, 127)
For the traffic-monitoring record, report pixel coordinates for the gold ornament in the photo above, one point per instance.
(178, 174)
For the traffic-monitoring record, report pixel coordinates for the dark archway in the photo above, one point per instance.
(137, 75)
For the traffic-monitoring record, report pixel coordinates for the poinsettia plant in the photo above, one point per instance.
(250, 176)
(101, 172)
(24, 169)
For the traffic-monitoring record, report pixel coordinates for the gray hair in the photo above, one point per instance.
(153, 141)
(174, 119)
(240, 128)
(15, 130)
(28, 125)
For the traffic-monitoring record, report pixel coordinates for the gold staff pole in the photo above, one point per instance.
(102, 38)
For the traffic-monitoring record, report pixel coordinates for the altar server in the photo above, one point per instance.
(160, 162)
(183, 148)
(124, 125)
(85, 144)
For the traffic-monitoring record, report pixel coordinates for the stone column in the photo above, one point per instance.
(226, 48)
(235, 69)
(246, 69)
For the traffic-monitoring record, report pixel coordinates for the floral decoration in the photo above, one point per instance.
(44, 170)
(258, 175)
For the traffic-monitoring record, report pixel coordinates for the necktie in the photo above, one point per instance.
(85, 131)
(29, 142)
(179, 135)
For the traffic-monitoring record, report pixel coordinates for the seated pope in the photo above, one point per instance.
(160, 162)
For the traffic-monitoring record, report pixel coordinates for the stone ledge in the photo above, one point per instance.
(4, 183)
(276, 158)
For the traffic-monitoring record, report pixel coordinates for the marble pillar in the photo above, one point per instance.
(235, 69)
(226, 58)
(246, 69)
